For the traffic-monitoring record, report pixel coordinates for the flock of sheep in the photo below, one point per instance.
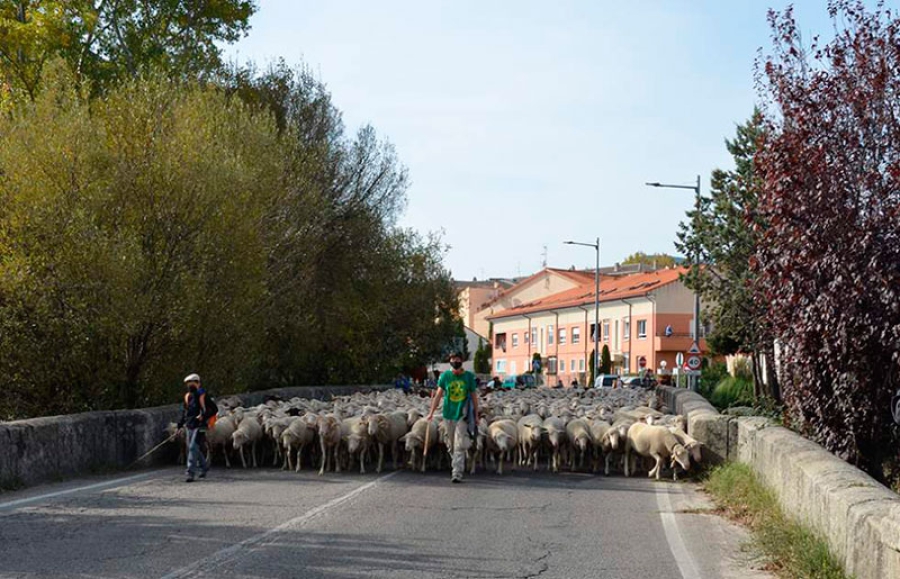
(571, 429)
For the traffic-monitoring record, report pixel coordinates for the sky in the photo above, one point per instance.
(524, 124)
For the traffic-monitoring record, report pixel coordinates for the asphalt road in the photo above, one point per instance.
(271, 524)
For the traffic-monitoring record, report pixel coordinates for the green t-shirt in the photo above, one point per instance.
(456, 392)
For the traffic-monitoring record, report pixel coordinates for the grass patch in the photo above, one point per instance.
(732, 391)
(790, 549)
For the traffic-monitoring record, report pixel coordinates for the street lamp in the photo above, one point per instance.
(596, 247)
(696, 189)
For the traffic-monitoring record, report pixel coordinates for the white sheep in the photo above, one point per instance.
(220, 435)
(329, 430)
(556, 438)
(415, 440)
(531, 429)
(578, 431)
(249, 431)
(297, 435)
(655, 442)
(355, 437)
(503, 438)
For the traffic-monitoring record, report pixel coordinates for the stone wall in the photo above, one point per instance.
(56, 447)
(859, 517)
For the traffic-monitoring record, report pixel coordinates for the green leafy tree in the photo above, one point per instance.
(482, 361)
(651, 259)
(104, 41)
(605, 360)
(724, 231)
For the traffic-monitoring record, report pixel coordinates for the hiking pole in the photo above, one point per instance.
(152, 450)
(427, 440)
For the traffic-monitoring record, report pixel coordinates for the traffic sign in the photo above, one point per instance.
(679, 359)
(642, 362)
(694, 362)
(694, 349)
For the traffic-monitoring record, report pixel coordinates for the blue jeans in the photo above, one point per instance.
(195, 458)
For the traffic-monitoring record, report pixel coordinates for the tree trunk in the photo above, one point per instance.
(774, 388)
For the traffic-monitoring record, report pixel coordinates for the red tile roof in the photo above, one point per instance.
(611, 288)
(576, 276)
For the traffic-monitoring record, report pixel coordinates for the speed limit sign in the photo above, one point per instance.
(694, 362)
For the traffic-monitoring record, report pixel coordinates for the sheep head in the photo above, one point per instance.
(681, 456)
(695, 451)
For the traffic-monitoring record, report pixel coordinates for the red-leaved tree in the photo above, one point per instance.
(829, 261)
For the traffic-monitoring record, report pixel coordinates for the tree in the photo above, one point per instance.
(828, 261)
(482, 361)
(104, 41)
(654, 259)
(605, 361)
(724, 231)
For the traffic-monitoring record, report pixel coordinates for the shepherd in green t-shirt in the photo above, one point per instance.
(456, 387)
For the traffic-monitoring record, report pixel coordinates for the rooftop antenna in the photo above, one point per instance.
(544, 258)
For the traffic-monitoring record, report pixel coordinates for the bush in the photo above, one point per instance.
(732, 391)
(714, 373)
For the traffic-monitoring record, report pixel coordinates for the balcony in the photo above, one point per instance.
(677, 341)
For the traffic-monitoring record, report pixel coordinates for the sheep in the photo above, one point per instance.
(221, 435)
(250, 432)
(531, 428)
(386, 429)
(556, 437)
(355, 435)
(503, 437)
(603, 445)
(329, 430)
(692, 445)
(656, 442)
(421, 431)
(298, 434)
(178, 437)
(578, 431)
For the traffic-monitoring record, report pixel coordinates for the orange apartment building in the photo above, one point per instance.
(635, 312)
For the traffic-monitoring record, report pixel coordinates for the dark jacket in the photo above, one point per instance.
(192, 408)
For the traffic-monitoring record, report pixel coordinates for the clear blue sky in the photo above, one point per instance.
(527, 123)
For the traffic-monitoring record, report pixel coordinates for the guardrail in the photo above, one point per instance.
(54, 447)
(858, 516)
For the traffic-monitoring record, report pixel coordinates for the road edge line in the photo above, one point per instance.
(107, 484)
(686, 565)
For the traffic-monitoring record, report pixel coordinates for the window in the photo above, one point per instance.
(562, 366)
(501, 366)
(626, 329)
(605, 331)
(515, 340)
(512, 367)
(551, 365)
(534, 336)
(549, 335)
(562, 336)
(576, 335)
(581, 365)
(642, 328)
(500, 342)
(572, 365)
(525, 336)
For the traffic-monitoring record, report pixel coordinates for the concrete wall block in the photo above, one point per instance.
(9, 459)
(86, 441)
(712, 431)
(746, 437)
(36, 449)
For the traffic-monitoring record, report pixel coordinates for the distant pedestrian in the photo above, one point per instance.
(574, 383)
(193, 418)
(668, 331)
(457, 389)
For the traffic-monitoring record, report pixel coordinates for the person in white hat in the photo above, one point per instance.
(193, 417)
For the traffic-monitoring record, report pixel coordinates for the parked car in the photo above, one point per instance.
(606, 380)
(521, 381)
(638, 382)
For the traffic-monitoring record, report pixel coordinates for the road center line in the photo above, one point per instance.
(683, 558)
(95, 486)
(227, 554)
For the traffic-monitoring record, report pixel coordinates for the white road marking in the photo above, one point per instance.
(683, 558)
(227, 554)
(101, 485)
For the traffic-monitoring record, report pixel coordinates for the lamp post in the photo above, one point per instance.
(696, 190)
(596, 247)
